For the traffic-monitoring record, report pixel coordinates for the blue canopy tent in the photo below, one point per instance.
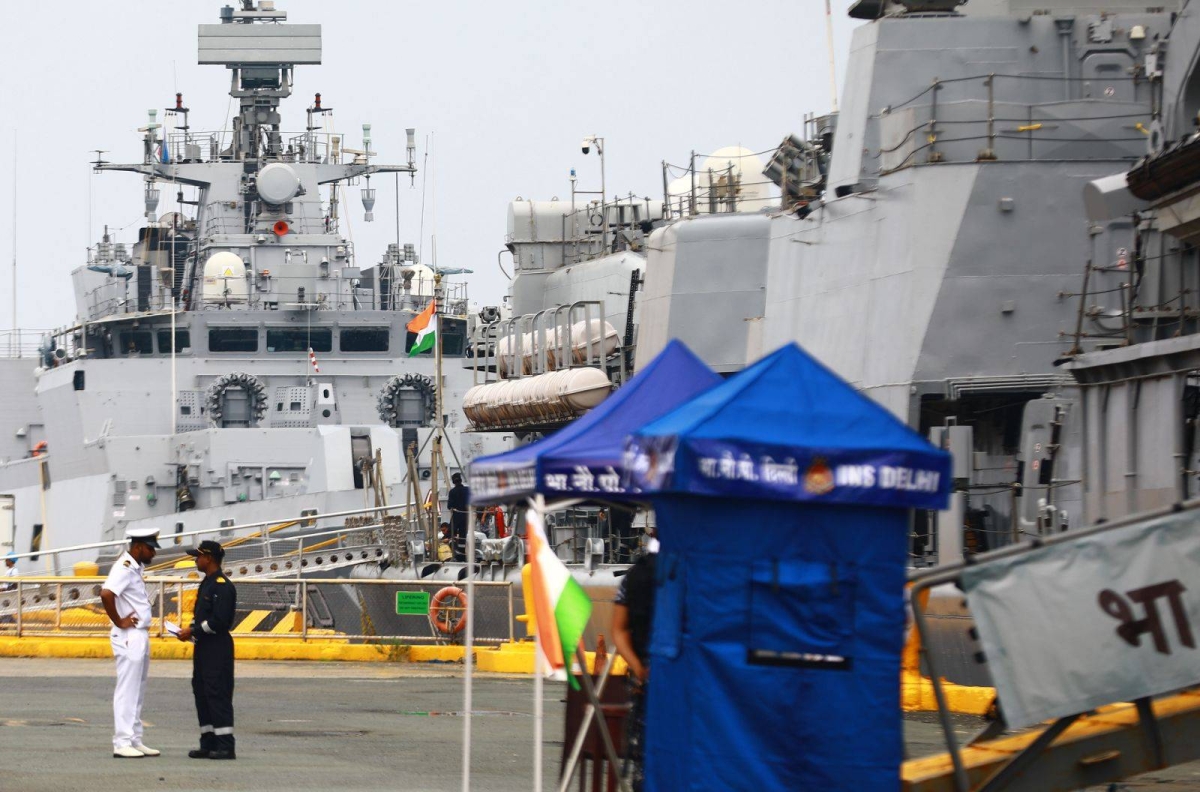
(584, 459)
(781, 499)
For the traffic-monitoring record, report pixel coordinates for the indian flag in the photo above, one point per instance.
(424, 325)
(559, 604)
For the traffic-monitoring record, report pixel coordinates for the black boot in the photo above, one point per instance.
(206, 747)
(223, 747)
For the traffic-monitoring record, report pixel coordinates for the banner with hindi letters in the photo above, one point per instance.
(1110, 616)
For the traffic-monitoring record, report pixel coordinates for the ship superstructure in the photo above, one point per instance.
(236, 361)
(929, 243)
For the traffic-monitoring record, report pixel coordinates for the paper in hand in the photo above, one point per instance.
(171, 627)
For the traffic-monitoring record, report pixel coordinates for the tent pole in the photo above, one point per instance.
(538, 504)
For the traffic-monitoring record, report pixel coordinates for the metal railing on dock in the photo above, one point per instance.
(358, 611)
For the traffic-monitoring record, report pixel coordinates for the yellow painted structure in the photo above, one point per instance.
(517, 657)
(251, 621)
(1095, 750)
(529, 617)
(916, 691)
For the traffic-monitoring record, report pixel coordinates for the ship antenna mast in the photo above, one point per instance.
(14, 350)
(829, 44)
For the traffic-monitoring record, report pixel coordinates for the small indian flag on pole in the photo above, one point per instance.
(424, 325)
(559, 603)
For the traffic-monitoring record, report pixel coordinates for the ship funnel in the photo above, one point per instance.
(368, 199)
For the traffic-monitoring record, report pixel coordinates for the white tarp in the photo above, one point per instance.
(1112, 616)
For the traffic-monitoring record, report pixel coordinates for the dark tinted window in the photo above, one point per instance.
(454, 337)
(365, 339)
(182, 341)
(135, 342)
(299, 339)
(233, 339)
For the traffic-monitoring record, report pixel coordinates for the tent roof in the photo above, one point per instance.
(584, 459)
(787, 428)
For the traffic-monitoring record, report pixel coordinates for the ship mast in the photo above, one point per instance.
(13, 348)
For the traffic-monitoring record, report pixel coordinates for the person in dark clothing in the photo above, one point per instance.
(620, 522)
(212, 660)
(633, 611)
(456, 501)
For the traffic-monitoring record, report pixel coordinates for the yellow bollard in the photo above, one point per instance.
(86, 569)
(528, 618)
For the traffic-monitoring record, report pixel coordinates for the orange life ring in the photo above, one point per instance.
(40, 448)
(444, 622)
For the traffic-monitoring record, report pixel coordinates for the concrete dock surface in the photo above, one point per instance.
(315, 726)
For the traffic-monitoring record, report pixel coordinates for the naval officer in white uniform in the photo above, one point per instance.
(128, 606)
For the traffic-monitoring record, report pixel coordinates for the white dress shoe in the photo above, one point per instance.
(128, 752)
(147, 751)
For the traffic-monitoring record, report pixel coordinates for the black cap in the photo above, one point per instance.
(209, 548)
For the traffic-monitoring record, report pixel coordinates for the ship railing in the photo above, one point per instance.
(711, 184)
(366, 611)
(990, 117)
(181, 538)
(993, 519)
(584, 234)
(266, 290)
(118, 296)
(551, 340)
(316, 147)
(218, 218)
(22, 343)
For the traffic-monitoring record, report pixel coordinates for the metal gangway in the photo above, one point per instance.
(1090, 638)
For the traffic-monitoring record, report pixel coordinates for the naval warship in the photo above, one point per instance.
(929, 242)
(238, 360)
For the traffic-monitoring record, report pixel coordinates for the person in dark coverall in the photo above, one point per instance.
(633, 611)
(212, 661)
(456, 501)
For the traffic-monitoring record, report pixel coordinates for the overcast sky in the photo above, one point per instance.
(504, 90)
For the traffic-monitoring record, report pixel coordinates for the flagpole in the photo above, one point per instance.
(539, 671)
(468, 654)
(439, 427)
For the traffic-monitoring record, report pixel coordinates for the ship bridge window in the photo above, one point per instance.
(233, 339)
(299, 339)
(365, 339)
(454, 336)
(136, 342)
(183, 341)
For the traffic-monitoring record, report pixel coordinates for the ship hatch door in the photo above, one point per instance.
(360, 454)
(236, 408)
